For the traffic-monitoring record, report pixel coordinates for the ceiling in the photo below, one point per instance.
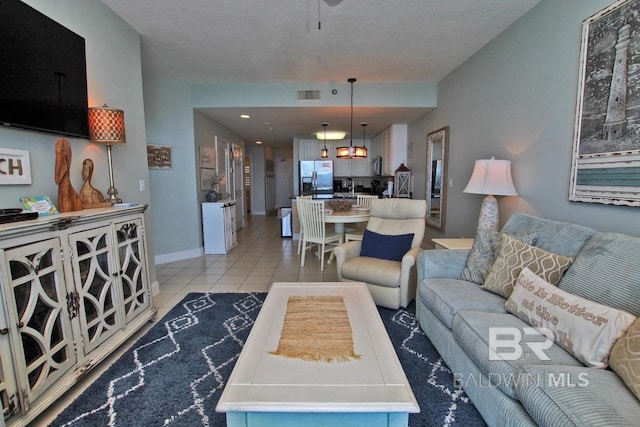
(279, 41)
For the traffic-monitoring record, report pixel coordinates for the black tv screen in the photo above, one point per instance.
(43, 74)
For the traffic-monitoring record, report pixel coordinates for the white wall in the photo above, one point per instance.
(113, 77)
(169, 121)
(284, 166)
(515, 99)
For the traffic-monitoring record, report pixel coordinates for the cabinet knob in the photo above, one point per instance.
(21, 325)
(4, 331)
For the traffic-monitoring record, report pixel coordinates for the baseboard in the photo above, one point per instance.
(178, 256)
(155, 288)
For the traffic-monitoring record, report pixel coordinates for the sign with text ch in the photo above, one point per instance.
(15, 167)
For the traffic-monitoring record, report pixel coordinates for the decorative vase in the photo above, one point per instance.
(212, 196)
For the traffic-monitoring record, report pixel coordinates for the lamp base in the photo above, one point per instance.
(113, 193)
(489, 216)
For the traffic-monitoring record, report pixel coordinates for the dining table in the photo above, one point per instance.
(340, 218)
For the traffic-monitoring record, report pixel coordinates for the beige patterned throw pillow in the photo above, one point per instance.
(625, 358)
(514, 255)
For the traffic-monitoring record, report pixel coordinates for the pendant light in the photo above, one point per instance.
(351, 152)
(324, 152)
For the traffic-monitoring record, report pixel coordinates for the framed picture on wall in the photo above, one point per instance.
(207, 157)
(605, 165)
(207, 177)
(159, 156)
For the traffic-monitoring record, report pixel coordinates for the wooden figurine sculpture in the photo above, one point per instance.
(89, 195)
(68, 200)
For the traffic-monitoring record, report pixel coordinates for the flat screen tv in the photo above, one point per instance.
(43, 74)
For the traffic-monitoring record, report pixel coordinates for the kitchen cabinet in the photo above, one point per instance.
(219, 226)
(74, 287)
(394, 143)
(309, 149)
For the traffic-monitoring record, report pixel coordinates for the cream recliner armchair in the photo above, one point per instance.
(392, 283)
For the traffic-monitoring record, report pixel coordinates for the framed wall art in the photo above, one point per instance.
(15, 166)
(606, 146)
(207, 157)
(208, 179)
(159, 156)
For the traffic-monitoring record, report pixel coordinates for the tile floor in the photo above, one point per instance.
(260, 258)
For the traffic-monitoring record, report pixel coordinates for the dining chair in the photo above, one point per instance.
(299, 221)
(364, 201)
(315, 234)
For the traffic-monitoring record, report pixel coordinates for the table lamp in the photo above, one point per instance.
(106, 126)
(493, 178)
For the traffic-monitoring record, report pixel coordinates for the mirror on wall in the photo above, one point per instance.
(436, 177)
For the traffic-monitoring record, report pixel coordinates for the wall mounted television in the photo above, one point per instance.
(43, 74)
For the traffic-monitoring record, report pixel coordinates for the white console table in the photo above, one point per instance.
(460, 243)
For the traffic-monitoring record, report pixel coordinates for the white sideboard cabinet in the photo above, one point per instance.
(74, 287)
(219, 226)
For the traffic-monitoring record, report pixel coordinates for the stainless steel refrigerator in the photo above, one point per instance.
(316, 178)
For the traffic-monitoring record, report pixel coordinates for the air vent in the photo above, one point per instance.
(308, 95)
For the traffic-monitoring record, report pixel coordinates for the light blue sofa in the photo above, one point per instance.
(456, 316)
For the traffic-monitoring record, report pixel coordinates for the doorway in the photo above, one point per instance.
(247, 183)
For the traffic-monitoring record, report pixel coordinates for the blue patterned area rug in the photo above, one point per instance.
(175, 373)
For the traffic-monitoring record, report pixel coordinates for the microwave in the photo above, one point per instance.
(376, 165)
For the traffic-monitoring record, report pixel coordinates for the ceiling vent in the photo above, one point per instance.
(308, 95)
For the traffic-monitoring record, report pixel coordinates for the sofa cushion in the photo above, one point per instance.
(607, 271)
(484, 252)
(514, 255)
(382, 272)
(471, 330)
(584, 328)
(562, 238)
(625, 358)
(575, 396)
(385, 246)
(447, 297)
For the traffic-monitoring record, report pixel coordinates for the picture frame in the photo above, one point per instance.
(15, 167)
(207, 157)
(207, 176)
(605, 163)
(159, 156)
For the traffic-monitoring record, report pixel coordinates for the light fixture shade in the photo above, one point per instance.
(324, 153)
(106, 125)
(332, 135)
(491, 177)
(359, 152)
(345, 152)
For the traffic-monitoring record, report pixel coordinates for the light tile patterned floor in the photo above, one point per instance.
(260, 258)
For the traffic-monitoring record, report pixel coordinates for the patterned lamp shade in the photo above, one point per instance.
(106, 125)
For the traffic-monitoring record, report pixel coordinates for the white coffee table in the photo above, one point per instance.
(270, 390)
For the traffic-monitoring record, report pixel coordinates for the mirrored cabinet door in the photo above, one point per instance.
(44, 345)
(94, 271)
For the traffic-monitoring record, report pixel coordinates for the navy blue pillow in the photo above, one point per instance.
(385, 246)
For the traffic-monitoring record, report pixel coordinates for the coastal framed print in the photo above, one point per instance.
(605, 164)
(159, 156)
